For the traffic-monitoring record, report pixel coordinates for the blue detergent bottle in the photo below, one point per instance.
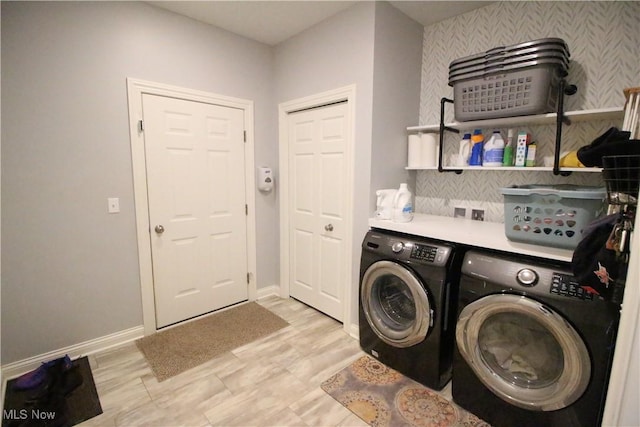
(477, 145)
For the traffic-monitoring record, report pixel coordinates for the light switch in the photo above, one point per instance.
(114, 204)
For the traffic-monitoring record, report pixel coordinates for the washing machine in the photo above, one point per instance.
(408, 285)
(532, 348)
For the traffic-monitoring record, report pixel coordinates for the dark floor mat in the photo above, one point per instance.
(78, 406)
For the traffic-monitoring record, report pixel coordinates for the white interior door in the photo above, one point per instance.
(197, 208)
(318, 182)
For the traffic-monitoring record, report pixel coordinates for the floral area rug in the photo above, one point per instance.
(383, 397)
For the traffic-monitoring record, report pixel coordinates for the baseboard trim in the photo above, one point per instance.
(268, 291)
(12, 370)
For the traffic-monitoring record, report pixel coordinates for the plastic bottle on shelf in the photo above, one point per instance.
(507, 159)
(402, 206)
(477, 142)
(531, 155)
(465, 149)
(493, 150)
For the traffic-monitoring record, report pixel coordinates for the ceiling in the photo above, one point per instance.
(274, 21)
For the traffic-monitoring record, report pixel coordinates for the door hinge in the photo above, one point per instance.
(244, 133)
(248, 278)
(246, 210)
(140, 126)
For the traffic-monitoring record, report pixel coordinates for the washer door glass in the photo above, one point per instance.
(395, 304)
(526, 353)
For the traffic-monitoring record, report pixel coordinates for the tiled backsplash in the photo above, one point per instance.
(605, 52)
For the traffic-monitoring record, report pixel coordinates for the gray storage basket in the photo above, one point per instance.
(520, 92)
(493, 69)
(525, 47)
(550, 215)
(508, 60)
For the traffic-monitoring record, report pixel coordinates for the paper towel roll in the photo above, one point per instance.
(429, 150)
(414, 151)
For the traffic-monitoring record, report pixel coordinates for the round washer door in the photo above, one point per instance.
(395, 304)
(523, 351)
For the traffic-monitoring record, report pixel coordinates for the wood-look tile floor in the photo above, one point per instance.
(274, 381)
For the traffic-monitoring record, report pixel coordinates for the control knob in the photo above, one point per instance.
(527, 277)
(397, 247)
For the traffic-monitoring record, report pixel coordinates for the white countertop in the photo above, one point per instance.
(481, 234)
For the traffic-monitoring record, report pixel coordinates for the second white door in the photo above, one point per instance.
(318, 141)
(197, 209)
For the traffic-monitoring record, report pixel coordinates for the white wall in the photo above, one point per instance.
(335, 53)
(69, 269)
(377, 48)
(396, 97)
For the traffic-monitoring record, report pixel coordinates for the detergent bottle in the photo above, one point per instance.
(384, 203)
(402, 206)
(464, 149)
(493, 150)
(477, 142)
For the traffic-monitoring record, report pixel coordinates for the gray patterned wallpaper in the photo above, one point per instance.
(604, 42)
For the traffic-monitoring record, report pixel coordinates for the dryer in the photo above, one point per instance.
(406, 318)
(532, 348)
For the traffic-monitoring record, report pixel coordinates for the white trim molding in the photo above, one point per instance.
(268, 291)
(348, 94)
(135, 89)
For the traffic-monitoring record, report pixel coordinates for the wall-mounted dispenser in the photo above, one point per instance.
(265, 179)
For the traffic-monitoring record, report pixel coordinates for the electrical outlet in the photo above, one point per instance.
(114, 204)
(477, 214)
(459, 212)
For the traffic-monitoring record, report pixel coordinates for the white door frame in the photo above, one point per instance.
(347, 93)
(135, 89)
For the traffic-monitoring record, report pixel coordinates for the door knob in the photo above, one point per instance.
(328, 227)
(159, 229)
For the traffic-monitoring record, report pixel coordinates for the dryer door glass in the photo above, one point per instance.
(395, 304)
(526, 353)
(520, 350)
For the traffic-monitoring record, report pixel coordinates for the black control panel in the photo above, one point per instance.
(566, 285)
(412, 249)
(425, 253)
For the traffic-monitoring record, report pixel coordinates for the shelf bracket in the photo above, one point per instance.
(563, 89)
(444, 128)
